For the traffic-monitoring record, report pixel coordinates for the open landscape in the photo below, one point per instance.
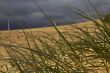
(80, 47)
(46, 44)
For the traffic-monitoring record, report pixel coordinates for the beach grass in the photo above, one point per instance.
(80, 48)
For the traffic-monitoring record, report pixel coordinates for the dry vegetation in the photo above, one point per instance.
(74, 48)
(12, 39)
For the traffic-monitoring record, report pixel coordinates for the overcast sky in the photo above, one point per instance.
(25, 12)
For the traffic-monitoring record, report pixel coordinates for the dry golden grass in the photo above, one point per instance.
(18, 36)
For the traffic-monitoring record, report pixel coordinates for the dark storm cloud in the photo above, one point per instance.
(26, 12)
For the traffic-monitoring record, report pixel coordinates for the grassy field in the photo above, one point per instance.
(72, 48)
(79, 48)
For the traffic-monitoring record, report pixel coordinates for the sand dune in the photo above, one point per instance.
(18, 35)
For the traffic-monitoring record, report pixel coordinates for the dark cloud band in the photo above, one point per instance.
(25, 12)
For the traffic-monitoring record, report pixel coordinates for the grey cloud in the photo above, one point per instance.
(28, 13)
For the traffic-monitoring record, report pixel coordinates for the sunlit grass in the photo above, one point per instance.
(77, 50)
